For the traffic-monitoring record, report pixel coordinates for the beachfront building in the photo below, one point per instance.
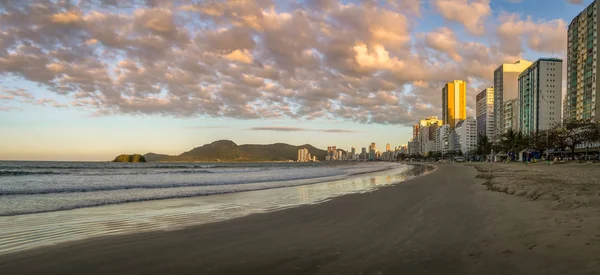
(444, 142)
(582, 102)
(415, 131)
(331, 153)
(426, 134)
(506, 88)
(413, 147)
(304, 155)
(540, 90)
(372, 151)
(485, 113)
(466, 132)
(454, 102)
(511, 115)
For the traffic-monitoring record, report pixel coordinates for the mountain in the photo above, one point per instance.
(155, 157)
(227, 150)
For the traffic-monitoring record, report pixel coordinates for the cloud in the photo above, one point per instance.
(278, 129)
(470, 13)
(319, 59)
(296, 129)
(206, 127)
(542, 36)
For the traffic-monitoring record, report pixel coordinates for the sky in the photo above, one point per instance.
(91, 79)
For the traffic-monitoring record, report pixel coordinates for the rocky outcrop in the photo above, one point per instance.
(130, 158)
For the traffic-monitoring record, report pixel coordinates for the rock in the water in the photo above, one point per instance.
(130, 158)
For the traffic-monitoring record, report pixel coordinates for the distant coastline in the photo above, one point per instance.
(229, 151)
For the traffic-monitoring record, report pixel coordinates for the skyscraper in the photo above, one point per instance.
(506, 87)
(388, 147)
(485, 113)
(303, 155)
(415, 131)
(454, 102)
(511, 115)
(540, 101)
(582, 64)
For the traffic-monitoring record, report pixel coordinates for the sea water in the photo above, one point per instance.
(44, 203)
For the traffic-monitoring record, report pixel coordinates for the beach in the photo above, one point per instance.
(562, 186)
(445, 222)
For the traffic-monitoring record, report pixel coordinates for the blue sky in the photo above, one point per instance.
(97, 81)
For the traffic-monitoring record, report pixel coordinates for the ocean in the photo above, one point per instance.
(43, 203)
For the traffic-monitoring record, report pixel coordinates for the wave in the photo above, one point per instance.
(97, 188)
(4, 173)
(111, 166)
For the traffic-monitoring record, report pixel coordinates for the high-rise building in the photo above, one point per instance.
(506, 87)
(485, 113)
(540, 98)
(372, 151)
(413, 147)
(303, 155)
(466, 131)
(364, 155)
(444, 141)
(388, 147)
(582, 102)
(427, 138)
(454, 102)
(331, 153)
(511, 115)
(428, 121)
(415, 131)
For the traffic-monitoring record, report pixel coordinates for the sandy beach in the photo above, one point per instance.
(445, 222)
(562, 185)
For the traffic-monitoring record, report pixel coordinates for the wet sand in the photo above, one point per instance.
(445, 222)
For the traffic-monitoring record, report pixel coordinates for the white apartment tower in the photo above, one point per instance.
(540, 96)
(581, 99)
(466, 131)
(506, 78)
(485, 113)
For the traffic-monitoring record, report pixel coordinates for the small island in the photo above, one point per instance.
(130, 158)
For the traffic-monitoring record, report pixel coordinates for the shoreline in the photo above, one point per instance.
(298, 182)
(444, 222)
(197, 209)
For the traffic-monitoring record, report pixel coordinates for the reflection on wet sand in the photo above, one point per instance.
(34, 230)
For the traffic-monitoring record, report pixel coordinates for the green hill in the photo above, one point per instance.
(226, 150)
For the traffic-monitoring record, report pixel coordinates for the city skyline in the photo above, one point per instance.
(71, 92)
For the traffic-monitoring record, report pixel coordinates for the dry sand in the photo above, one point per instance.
(445, 222)
(563, 185)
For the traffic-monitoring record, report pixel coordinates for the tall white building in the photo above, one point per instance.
(427, 139)
(413, 148)
(511, 115)
(540, 92)
(583, 83)
(466, 131)
(485, 113)
(506, 78)
(303, 155)
(444, 142)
